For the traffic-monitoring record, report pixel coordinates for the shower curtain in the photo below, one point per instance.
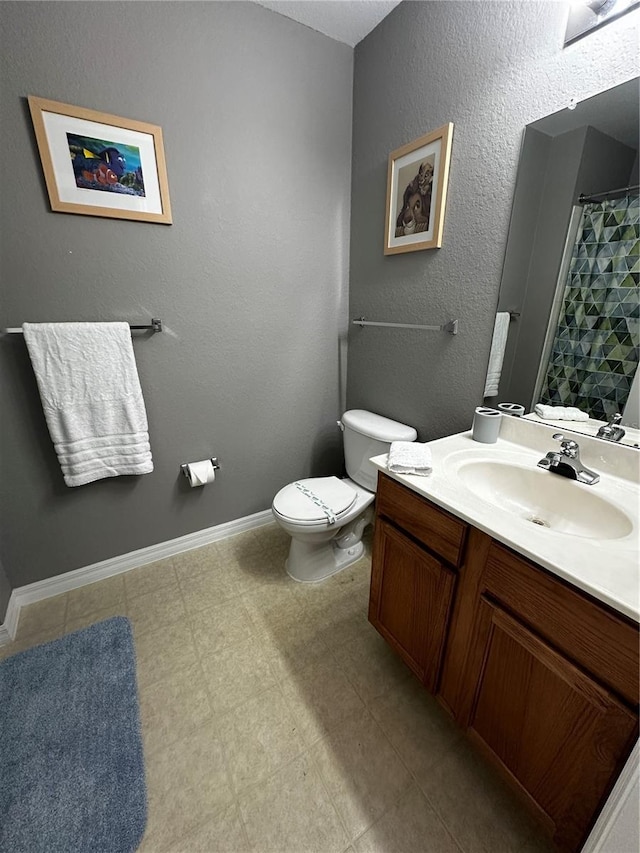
(594, 355)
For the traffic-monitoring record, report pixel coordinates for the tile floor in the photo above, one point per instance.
(276, 720)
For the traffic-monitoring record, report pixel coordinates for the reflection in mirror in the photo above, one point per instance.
(572, 265)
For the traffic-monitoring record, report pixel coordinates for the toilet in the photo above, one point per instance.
(326, 516)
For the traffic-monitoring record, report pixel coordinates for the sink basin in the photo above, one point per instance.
(545, 499)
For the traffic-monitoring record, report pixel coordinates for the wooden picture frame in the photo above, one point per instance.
(417, 179)
(98, 164)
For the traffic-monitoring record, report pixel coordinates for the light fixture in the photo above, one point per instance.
(585, 16)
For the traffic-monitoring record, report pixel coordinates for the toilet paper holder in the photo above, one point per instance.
(214, 461)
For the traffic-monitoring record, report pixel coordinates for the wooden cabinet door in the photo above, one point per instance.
(411, 594)
(555, 729)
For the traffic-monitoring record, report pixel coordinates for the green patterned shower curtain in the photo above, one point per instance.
(595, 351)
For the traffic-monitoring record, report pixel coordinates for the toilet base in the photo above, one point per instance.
(310, 562)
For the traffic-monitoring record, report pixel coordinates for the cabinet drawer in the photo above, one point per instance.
(442, 533)
(600, 641)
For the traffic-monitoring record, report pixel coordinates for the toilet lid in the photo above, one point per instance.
(315, 499)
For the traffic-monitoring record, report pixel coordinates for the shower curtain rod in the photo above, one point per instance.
(583, 199)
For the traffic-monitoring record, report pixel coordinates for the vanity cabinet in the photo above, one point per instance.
(413, 578)
(543, 678)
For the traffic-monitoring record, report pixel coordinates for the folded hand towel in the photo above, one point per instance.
(409, 457)
(560, 413)
(91, 397)
(496, 356)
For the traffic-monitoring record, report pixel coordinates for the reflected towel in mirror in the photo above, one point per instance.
(496, 356)
(560, 413)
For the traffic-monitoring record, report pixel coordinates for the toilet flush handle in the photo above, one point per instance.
(341, 425)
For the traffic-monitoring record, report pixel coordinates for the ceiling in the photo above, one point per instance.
(348, 21)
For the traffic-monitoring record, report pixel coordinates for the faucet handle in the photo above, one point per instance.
(615, 420)
(568, 446)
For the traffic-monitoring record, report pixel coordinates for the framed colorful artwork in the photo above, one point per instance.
(417, 180)
(101, 165)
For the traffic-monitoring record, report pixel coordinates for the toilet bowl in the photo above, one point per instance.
(327, 516)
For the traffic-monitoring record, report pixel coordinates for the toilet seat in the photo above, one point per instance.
(315, 501)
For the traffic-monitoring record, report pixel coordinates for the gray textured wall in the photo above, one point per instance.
(250, 280)
(491, 69)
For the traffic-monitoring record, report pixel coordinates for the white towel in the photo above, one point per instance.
(91, 397)
(410, 457)
(496, 356)
(560, 413)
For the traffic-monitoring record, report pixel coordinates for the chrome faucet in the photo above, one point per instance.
(611, 432)
(567, 462)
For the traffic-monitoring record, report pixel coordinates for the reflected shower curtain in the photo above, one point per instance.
(595, 350)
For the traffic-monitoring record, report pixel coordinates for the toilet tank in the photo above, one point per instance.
(365, 435)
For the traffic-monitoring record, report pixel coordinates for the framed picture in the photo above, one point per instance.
(101, 165)
(416, 192)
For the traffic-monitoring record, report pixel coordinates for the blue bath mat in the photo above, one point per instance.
(71, 761)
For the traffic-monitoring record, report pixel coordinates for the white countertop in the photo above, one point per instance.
(607, 569)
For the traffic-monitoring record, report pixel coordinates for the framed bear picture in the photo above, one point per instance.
(417, 179)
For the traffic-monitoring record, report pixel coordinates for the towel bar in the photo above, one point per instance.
(154, 326)
(451, 326)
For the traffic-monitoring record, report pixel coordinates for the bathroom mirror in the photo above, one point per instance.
(551, 279)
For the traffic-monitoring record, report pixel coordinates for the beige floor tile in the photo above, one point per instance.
(275, 606)
(219, 558)
(475, 806)
(236, 674)
(157, 609)
(207, 587)
(149, 578)
(188, 785)
(350, 583)
(540, 843)
(291, 644)
(291, 813)
(117, 609)
(221, 626)
(257, 559)
(95, 597)
(30, 641)
(361, 771)
(258, 737)
(173, 708)
(370, 664)
(198, 560)
(338, 621)
(42, 616)
(410, 825)
(222, 834)
(419, 729)
(320, 697)
(161, 653)
(256, 670)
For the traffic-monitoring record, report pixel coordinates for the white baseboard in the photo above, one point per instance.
(59, 584)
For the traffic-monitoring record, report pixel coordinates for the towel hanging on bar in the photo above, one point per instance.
(91, 397)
